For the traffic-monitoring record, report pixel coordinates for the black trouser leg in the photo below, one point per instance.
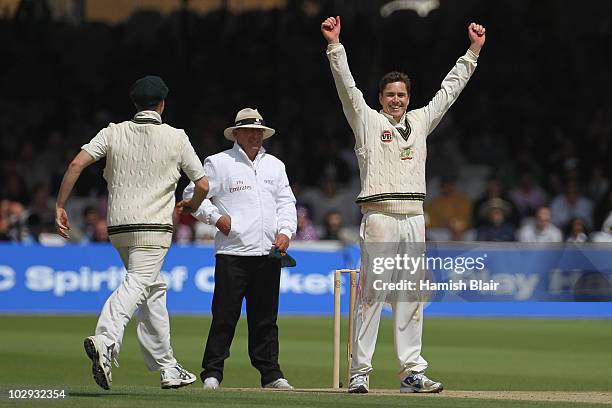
(231, 281)
(262, 311)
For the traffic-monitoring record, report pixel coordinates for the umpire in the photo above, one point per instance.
(252, 205)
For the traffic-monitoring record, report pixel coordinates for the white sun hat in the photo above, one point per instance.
(248, 118)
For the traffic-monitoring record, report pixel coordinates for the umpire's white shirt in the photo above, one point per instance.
(255, 194)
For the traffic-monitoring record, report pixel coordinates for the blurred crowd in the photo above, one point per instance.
(522, 156)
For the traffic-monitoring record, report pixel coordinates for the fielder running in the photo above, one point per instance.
(144, 159)
(390, 145)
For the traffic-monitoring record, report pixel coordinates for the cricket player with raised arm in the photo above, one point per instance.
(390, 145)
(144, 159)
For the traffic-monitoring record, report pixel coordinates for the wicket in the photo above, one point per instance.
(349, 345)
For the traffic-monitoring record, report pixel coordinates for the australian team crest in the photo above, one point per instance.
(406, 154)
(386, 136)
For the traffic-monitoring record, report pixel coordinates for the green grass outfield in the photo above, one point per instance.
(46, 352)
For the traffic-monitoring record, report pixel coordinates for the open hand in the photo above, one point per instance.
(62, 225)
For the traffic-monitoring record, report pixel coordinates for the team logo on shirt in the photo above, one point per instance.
(406, 154)
(386, 137)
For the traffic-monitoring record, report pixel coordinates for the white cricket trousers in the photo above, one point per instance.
(387, 229)
(143, 291)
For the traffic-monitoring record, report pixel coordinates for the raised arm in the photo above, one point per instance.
(330, 28)
(456, 79)
(477, 35)
(353, 104)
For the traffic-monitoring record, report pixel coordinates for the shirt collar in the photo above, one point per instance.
(239, 150)
(392, 120)
(147, 117)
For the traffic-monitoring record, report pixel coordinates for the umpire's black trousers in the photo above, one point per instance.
(256, 278)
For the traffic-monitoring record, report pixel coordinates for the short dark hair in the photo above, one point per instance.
(394, 76)
(147, 105)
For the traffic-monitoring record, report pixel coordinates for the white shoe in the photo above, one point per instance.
(211, 383)
(101, 356)
(418, 382)
(175, 377)
(359, 384)
(280, 384)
